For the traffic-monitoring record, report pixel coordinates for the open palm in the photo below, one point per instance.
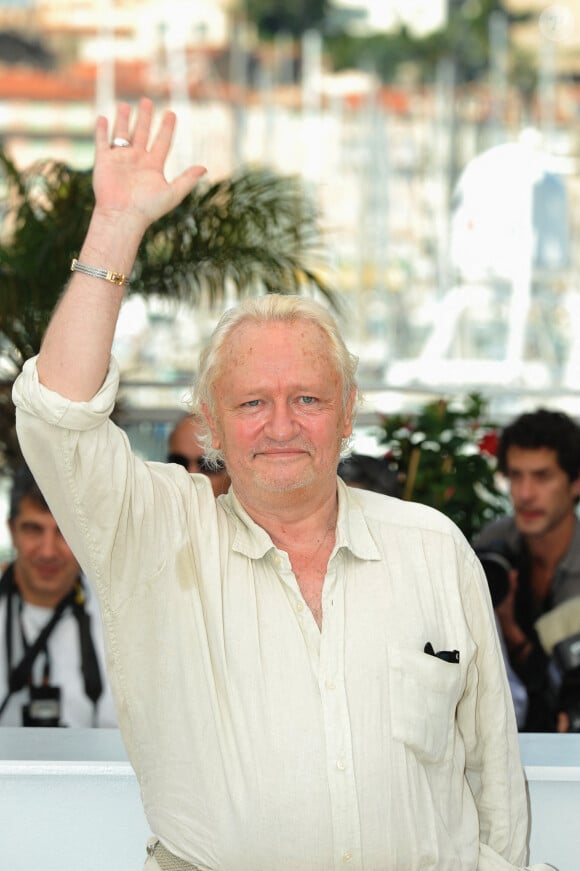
(131, 180)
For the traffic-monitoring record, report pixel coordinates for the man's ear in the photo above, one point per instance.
(214, 429)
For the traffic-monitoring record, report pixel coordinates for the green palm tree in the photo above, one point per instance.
(253, 232)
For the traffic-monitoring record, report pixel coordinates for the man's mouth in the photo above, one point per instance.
(281, 453)
(529, 513)
(47, 572)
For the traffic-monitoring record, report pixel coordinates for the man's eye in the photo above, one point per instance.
(307, 400)
(252, 403)
(31, 529)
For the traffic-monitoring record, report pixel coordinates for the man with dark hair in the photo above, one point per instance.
(543, 429)
(51, 649)
(539, 453)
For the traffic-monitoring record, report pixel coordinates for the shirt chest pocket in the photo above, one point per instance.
(424, 692)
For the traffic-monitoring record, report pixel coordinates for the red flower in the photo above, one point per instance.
(489, 443)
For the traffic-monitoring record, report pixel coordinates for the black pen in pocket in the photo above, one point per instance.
(445, 655)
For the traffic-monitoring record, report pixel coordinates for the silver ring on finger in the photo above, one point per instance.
(119, 142)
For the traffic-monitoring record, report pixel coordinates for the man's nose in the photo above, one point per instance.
(526, 489)
(281, 423)
(49, 544)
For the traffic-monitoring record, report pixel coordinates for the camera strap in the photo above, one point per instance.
(89, 661)
(20, 675)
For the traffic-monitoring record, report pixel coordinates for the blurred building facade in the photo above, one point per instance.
(383, 162)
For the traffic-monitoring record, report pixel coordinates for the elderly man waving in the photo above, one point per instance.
(307, 677)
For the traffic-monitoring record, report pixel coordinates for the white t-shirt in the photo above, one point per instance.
(63, 662)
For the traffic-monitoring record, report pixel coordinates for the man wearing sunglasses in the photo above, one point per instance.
(185, 450)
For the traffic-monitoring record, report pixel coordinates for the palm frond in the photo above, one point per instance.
(254, 232)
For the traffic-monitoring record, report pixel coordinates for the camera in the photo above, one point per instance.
(43, 708)
(567, 655)
(497, 562)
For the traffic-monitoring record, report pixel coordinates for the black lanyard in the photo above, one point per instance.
(20, 675)
(26, 645)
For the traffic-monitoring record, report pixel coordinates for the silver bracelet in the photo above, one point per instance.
(95, 272)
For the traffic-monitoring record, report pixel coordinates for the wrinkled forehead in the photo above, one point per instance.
(250, 341)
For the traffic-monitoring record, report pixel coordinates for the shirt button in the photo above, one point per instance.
(340, 764)
(346, 856)
(300, 606)
(330, 685)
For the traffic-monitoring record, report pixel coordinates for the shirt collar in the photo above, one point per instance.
(352, 532)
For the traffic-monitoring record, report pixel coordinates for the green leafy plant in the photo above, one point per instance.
(253, 232)
(445, 456)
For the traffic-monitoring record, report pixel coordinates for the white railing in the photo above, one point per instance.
(69, 800)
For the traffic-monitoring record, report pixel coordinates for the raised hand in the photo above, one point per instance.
(130, 180)
(131, 192)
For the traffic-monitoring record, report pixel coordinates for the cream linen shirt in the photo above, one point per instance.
(261, 743)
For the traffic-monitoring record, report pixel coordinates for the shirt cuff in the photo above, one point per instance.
(29, 395)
